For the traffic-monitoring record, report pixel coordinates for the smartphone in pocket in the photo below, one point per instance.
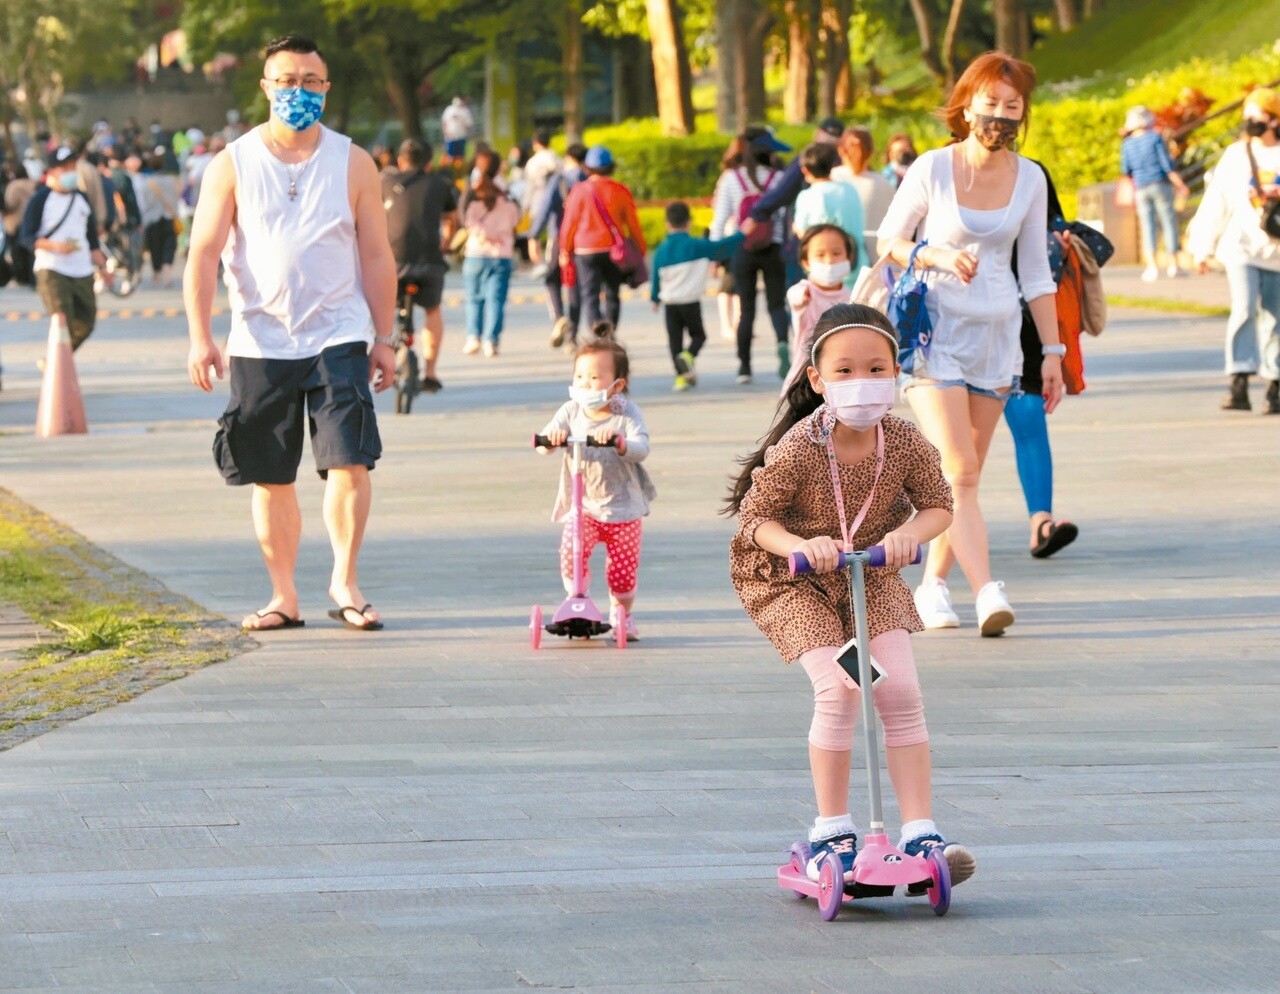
(847, 657)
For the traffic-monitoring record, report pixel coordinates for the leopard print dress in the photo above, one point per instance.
(793, 487)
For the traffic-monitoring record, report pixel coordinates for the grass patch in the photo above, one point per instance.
(112, 631)
(1168, 304)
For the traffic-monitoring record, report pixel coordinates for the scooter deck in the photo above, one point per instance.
(789, 878)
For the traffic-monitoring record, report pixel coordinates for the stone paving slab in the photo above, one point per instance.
(439, 809)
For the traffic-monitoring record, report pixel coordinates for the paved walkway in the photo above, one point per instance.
(437, 808)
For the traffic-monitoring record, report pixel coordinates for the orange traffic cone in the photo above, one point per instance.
(61, 408)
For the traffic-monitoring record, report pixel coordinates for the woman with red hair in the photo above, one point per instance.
(972, 203)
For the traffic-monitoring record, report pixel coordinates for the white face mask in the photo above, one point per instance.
(829, 273)
(860, 404)
(69, 181)
(592, 400)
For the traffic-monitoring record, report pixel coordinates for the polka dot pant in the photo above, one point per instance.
(622, 553)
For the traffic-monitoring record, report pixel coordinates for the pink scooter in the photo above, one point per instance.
(578, 617)
(879, 867)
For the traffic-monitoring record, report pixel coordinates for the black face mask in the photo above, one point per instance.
(995, 133)
(904, 159)
(1255, 129)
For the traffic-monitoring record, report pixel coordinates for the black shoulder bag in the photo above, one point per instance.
(1270, 217)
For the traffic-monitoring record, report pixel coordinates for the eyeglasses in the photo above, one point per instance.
(312, 84)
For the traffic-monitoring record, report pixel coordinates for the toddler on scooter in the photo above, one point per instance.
(833, 456)
(617, 490)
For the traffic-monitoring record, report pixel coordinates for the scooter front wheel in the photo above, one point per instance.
(535, 627)
(830, 888)
(620, 628)
(940, 892)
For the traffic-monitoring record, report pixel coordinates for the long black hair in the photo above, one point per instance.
(801, 399)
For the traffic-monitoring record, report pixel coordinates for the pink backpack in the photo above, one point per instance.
(762, 236)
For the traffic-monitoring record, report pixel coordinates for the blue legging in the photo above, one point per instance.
(1025, 416)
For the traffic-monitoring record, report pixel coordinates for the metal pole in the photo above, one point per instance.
(858, 590)
(577, 518)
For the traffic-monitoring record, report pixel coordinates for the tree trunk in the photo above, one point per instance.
(402, 91)
(797, 96)
(949, 45)
(6, 124)
(572, 65)
(1089, 8)
(754, 22)
(836, 92)
(1010, 27)
(671, 73)
(1068, 14)
(633, 79)
(928, 45)
(726, 76)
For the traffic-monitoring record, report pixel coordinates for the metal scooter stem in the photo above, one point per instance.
(577, 517)
(858, 592)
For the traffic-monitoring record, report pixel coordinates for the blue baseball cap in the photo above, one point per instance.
(598, 157)
(769, 141)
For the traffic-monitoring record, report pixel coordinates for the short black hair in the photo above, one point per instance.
(417, 152)
(577, 152)
(678, 215)
(541, 136)
(819, 159)
(299, 44)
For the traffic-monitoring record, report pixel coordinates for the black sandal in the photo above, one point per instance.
(364, 625)
(285, 622)
(1052, 537)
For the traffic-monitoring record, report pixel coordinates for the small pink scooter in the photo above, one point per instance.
(578, 617)
(879, 867)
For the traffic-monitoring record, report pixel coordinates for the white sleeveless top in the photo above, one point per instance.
(291, 266)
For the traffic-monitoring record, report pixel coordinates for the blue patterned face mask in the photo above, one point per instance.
(297, 108)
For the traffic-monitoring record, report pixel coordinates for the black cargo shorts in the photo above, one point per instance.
(259, 438)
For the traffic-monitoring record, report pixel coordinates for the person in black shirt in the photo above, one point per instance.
(421, 219)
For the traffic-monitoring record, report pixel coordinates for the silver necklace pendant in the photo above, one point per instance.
(293, 190)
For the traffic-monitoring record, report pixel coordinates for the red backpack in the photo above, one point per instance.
(761, 236)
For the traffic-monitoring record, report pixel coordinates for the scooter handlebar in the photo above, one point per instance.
(542, 442)
(871, 556)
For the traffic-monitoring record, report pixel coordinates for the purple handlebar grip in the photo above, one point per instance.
(799, 562)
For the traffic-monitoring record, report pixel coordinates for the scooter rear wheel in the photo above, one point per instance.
(940, 892)
(830, 888)
(620, 628)
(800, 856)
(535, 627)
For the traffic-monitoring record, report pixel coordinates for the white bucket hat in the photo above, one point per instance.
(1138, 117)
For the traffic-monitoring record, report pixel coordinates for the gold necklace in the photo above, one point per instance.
(278, 152)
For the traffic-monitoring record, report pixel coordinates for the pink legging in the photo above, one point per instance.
(897, 695)
(621, 553)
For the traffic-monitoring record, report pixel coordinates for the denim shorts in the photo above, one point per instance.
(920, 381)
(274, 402)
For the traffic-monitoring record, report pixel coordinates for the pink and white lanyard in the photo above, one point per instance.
(845, 532)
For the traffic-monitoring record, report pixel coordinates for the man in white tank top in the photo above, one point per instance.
(294, 210)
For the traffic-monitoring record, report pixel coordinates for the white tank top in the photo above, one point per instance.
(291, 266)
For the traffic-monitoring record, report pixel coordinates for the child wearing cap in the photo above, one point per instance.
(679, 281)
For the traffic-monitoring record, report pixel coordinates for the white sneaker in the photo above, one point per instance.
(490, 350)
(471, 346)
(933, 601)
(1173, 271)
(1150, 274)
(994, 612)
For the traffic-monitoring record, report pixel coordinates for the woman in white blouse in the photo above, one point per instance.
(972, 202)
